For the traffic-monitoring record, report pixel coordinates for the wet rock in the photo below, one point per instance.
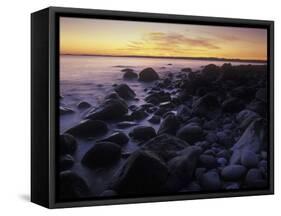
(72, 186)
(89, 128)
(192, 187)
(183, 112)
(119, 138)
(130, 75)
(142, 133)
(253, 138)
(108, 193)
(232, 186)
(65, 110)
(243, 92)
(155, 119)
(109, 110)
(83, 105)
(211, 72)
(205, 105)
(190, 133)
(186, 70)
(139, 114)
(245, 117)
(182, 167)
(211, 137)
(125, 124)
(68, 144)
(222, 161)
(261, 95)
(254, 179)
(258, 107)
(103, 154)
(224, 154)
(249, 159)
(225, 138)
(165, 146)
(169, 125)
(66, 162)
(232, 105)
(207, 161)
(148, 75)
(125, 92)
(127, 70)
(143, 173)
(113, 95)
(199, 172)
(158, 97)
(235, 157)
(210, 181)
(233, 172)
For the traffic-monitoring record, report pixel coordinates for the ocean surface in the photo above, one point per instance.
(90, 78)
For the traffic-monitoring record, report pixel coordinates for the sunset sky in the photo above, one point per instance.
(110, 37)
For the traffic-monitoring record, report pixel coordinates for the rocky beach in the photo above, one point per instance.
(164, 130)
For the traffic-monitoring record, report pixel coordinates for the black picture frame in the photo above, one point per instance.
(45, 99)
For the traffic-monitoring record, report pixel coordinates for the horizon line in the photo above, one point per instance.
(174, 57)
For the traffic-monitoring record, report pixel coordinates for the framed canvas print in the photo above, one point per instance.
(138, 107)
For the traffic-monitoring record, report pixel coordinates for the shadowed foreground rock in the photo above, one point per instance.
(68, 144)
(103, 154)
(143, 173)
(181, 168)
(165, 146)
(88, 128)
(148, 75)
(72, 186)
(109, 110)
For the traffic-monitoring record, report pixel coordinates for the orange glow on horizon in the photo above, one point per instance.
(111, 37)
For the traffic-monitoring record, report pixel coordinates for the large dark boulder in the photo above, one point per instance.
(143, 173)
(182, 167)
(142, 133)
(66, 162)
(211, 72)
(245, 117)
(165, 146)
(205, 105)
(169, 125)
(89, 128)
(254, 137)
(83, 105)
(109, 110)
(72, 186)
(191, 132)
(148, 75)
(207, 161)
(130, 74)
(232, 105)
(210, 181)
(68, 144)
(125, 92)
(183, 112)
(119, 138)
(249, 159)
(233, 172)
(254, 179)
(103, 154)
(139, 114)
(261, 95)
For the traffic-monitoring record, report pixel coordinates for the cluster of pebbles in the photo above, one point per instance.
(211, 134)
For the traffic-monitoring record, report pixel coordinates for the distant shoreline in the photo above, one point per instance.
(170, 57)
